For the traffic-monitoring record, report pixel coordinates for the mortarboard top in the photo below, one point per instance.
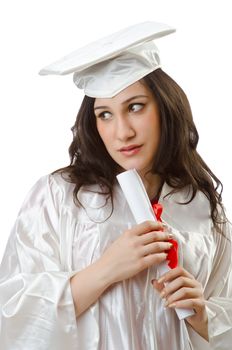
(105, 67)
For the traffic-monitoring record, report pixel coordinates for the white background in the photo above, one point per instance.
(37, 112)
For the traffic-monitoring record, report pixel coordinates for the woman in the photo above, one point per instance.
(77, 271)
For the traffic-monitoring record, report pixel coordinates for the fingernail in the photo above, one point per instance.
(164, 228)
(162, 294)
(172, 305)
(166, 304)
(170, 236)
(161, 280)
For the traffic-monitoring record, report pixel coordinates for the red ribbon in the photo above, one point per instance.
(172, 256)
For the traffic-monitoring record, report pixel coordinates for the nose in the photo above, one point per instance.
(124, 129)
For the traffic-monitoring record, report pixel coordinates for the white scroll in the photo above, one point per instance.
(140, 205)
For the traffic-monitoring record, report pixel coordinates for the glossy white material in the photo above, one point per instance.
(52, 239)
(136, 196)
(107, 66)
(140, 205)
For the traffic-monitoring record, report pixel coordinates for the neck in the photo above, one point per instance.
(152, 184)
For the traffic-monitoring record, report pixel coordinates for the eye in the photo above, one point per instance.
(105, 115)
(135, 107)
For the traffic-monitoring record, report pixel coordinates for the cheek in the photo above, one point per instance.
(155, 129)
(151, 127)
(104, 134)
(155, 124)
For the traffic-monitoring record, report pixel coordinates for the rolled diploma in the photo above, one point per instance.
(140, 205)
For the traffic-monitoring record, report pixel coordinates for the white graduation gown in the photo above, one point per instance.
(52, 239)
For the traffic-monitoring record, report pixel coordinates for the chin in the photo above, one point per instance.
(138, 167)
(139, 164)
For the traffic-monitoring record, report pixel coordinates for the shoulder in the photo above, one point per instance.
(182, 198)
(194, 215)
(94, 203)
(49, 188)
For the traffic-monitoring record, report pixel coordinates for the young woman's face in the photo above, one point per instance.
(129, 126)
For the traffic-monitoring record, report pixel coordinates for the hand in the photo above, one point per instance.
(135, 250)
(182, 290)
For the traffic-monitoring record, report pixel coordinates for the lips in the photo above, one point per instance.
(130, 150)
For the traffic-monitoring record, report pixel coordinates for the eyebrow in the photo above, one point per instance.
(126, 101)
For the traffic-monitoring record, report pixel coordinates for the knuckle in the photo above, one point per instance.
(127, 233)
(158, 258)
(158, 246)
(146, 261)
(155, 236)
(181, 270)
(141, 265)
(149, 224)
(186, 291)
(197, 303)
(133, 243)
(192, 277)
(182, 280)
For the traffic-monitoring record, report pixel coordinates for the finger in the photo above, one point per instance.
(153, 259)
(156, 247)
(178, 283)
(155, 236)
(196, 304)
(147, 226)
(184, 293)
(174, 273)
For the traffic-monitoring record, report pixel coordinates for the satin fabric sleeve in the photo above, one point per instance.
(219, 293)
(36, 304)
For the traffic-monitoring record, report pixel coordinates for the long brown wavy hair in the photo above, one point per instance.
(177, 161)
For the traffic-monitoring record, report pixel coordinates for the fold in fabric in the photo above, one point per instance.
(37, 310)
(52, 239)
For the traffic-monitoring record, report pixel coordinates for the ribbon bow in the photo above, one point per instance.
(172, 256)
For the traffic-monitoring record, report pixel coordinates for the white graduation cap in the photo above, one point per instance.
(107, 66)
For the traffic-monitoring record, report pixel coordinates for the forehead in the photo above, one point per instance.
(136, 89)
